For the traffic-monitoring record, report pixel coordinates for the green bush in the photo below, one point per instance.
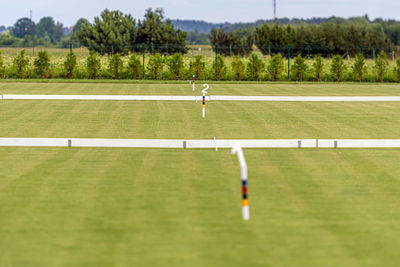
(397, 70)
(299, 68)
(2, 68)
(116, 66)
(381, 66)
(20, 64)
(41, 64)
(93, 65)
(275, 68)
(135, 67)
(69, 65)
(155, 66)
(238, 68)
(337, 68)
(255, 67)
(175, 67)
(218, 69)
(318, 67)
(198, 67)
(359, 68)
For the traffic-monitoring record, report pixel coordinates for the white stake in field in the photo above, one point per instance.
(194, 83)
(204, 91)
(243, 175)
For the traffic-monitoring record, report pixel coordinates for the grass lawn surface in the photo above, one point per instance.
(175, 207)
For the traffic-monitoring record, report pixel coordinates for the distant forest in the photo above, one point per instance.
(198, 32)
(205, 27)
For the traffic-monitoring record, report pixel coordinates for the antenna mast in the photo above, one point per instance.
(274, 9)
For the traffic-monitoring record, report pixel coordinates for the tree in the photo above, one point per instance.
(73, 38)
(255, 67)
(218, 68)
(275, 68)
(381, 65)
(22, 27)
(197, 67)
(397, 70)
(41, 64)
(299, 68)
(116, 66)
(20, 64)
(318, 67)
(238, 68)
(47, 28)
(176, 67)
(69, 65)
(112, 32)
(2, 69)
(337, 68)
(239, 42)
(155, 66)
(93, 65)
(159, 34)
(359, 68)
(135, 68)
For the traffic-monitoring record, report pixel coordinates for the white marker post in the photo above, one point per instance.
(243, 175)
(194, 82)
(204, 91)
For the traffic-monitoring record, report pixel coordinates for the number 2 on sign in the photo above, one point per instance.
(204, 91)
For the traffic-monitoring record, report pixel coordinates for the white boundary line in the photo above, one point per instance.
(159, 143)
(211, 143)
(208, 98)
(359, 143)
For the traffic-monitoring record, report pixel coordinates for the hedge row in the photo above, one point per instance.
(159, 67)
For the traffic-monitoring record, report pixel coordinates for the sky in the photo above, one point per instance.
(69, 11)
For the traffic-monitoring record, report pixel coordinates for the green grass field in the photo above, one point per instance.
(167, 207)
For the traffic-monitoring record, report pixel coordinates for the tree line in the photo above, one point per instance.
(116, 32)
(326, 39)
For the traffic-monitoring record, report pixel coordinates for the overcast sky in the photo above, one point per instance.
(69, 11)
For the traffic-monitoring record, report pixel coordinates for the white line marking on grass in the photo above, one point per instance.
(102, 97)
(359, 143)
(208, 98)
(200, 143)
(157, 143)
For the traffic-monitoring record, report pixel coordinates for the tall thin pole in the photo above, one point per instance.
(274, 9)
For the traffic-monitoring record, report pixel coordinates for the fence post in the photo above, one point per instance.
(373, 53)
(230, 50)
(112, 50)
(288, 68)
(143, 51)
(70, 47)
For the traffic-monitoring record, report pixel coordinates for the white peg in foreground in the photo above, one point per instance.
(243, 175)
